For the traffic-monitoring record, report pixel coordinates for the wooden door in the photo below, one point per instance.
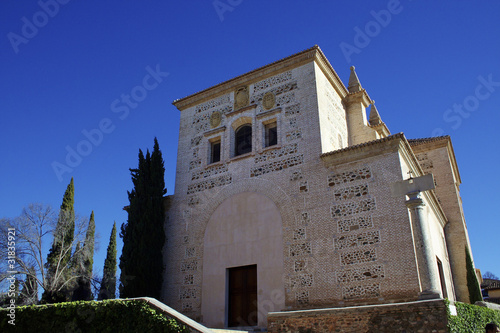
(242, 296)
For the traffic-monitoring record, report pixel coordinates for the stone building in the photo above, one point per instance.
(283, 201)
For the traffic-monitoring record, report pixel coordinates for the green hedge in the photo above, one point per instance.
(471, 318)
(105, 316)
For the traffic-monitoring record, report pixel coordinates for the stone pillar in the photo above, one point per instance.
(429, 276)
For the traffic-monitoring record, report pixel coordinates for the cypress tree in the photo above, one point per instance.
(141, 262)
(84, 261)
(108, 283)
(59, 255)
(472, 283)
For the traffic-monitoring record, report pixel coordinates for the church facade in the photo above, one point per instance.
(285, 200)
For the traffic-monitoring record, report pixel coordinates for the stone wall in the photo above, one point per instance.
(422, 316)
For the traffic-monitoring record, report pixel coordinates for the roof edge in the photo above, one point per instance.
(312, 54)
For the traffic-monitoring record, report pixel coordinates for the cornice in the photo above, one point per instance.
(426, 144)
(312, 54)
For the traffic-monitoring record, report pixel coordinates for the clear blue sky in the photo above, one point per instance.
(70, 71)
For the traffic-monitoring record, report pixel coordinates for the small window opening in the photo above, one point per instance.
(271, 134)
(243, 142)
(215, 152)
(441, 279)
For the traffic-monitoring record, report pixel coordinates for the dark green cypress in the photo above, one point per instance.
(141, 262)
(59, 255)
(108, 283)
(85, 261)
(472, 283)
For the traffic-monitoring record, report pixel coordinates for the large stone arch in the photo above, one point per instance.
(245, 227)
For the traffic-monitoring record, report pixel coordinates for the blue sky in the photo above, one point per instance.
(66, 69)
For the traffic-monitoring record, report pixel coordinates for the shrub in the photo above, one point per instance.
(91, 316)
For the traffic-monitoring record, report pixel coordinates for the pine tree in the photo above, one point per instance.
(84, 261)
(472, 283)
(108, 283)
(141, 262)
(59, 255)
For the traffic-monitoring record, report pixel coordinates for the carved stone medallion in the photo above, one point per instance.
(241, 97)
(268, 101)
(215, 119)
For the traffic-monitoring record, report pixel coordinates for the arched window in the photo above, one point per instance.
(243, 140)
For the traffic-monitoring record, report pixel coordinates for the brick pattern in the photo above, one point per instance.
(430, 316)
(336, 219)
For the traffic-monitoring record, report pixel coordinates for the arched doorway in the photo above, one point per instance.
(243, 244)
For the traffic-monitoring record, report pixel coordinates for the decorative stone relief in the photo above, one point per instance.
(196, 141)
(272, 81)
(293, 122)
(268, 101)
(302, 280)
(293, 135)
(349, 176)
(190, 252)
(365, 238)
(292, 110)
(209, 172)
(196, 152)
(358, 256)
(194, 164)
(209, 184)
(187, 266)
(241, 97)
(302, 297)
(350, 192)
(277, 165)
(276, 153)
(367, 291)
(299, 265)
(299, 234)
(185, 239)
(215, 119)
(300, 249)
(275, 93)
(350, 208)
(296, 175)
(187, 293)
(361, 222)
(361, 274)
(188, 279)
(303, 187)
(212, 103)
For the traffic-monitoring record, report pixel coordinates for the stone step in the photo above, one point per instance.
(238, 330)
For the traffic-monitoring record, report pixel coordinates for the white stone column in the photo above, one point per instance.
(429, 276)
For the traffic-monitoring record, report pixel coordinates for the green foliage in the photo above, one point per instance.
(471, 318)
(472, 283)
(84, 261)
(60, 253)
(141, 262)
(108, 283)
(106, 316)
